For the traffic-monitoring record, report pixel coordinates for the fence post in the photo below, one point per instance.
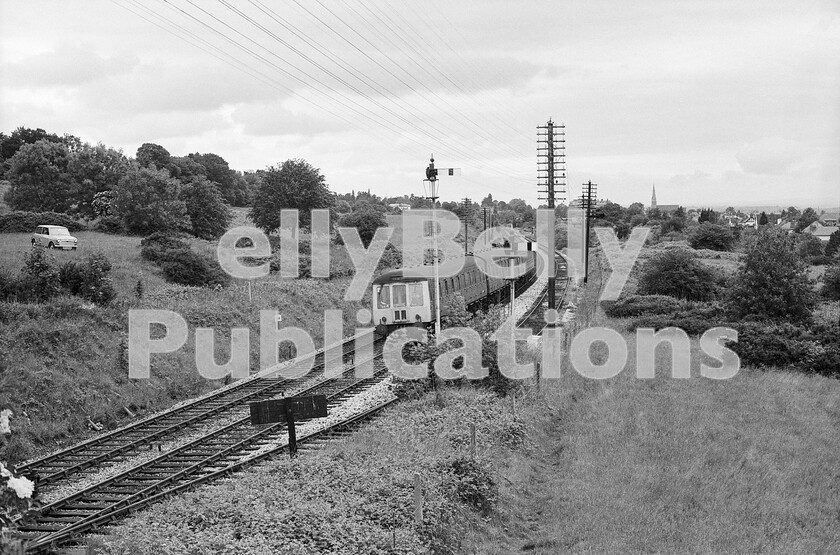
(418, 499)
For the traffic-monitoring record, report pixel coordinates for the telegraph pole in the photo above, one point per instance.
(551, 175)
(587, 201)
(466, 204)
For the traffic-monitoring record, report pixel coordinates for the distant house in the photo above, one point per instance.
(400, 206)
(749, 221)
(731, 221)
(821, 232)
(786, 225)
(830, 219)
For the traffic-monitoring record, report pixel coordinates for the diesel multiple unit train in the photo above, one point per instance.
(400, 298)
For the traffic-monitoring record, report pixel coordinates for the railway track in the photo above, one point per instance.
(118, 444)
(534, 318)
(216, 454)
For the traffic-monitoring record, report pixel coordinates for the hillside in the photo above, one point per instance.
(64, 362)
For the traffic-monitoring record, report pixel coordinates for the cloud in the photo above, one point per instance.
(269, 118)
(769, 156)
(67, 65)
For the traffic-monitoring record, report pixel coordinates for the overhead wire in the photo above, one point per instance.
(362, 111)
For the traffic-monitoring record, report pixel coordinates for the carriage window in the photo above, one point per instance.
(399, 295)
(384, 299)
(416, 294)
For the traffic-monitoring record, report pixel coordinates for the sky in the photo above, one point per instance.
(717, 103)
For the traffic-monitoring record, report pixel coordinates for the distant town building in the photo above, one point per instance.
(400, 206)
(664, 209)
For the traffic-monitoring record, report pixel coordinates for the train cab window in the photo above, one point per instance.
(384, 297)
(399, 295)
(415, 291)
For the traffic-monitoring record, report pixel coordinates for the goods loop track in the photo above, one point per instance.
(218, 453)
(114, 445)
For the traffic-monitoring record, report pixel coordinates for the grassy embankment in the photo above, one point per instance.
(64, 361)
(750, 464)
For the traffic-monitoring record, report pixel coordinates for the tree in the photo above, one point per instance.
(808, 246)
(808, 216)
(833, 246)
(208, 213)
(9, 145)
(772, 282)
(711, 236)
(762, 219)
(218, 171)
(622, 230)
(294, 185)
(831, 282)
(367, 220)
(611, 212)
(707, 215)
(38, 178)
(148, 200)
(673, 224)
(677, 273)
(150, 153)
(93, 170)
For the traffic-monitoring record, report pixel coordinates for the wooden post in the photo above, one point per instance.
(537, 368)
(472, 440)
(418, 499)
(290, 426)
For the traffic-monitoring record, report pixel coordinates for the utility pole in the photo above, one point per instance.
(466, 204)
(432, 194)
(587, 201)
(551, 180)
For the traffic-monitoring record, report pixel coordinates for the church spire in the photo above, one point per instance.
(653, 199)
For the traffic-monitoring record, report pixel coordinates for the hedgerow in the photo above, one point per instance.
(26, 222)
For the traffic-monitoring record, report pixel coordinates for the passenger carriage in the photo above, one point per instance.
(401, 298)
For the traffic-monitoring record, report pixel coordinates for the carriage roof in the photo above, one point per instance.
(404, 275)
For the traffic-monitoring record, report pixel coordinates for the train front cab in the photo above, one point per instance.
(398, 304)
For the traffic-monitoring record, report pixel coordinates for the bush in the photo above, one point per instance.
(810, 349)
(109, 224)
(40, 280)
(692, 325)
(89, 279)
(186, 267)
(637, 305)
(472, 482)
(26, 222)
(677, 273)
(711, 236)
(155, 246)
